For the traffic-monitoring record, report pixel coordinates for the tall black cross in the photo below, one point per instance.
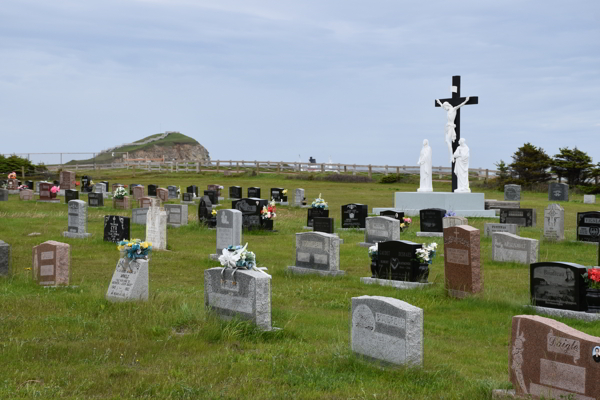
(455, 101)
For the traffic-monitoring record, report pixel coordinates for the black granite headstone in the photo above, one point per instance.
(277, 195)
(205, 212)
(152, 190)
(106, 186)
(254, 192)
(399, 215)
(85, 184)
(212, 195)
(518, 216)
(315, 213)
(323, 224)
(558, 285)
(71, 195)
(588, 226)
(95, 200)
(188, 197)
(431, 220)
(354, 215)
(235, 192)
(250, 208)
(29, 184)
(396, 260)
(192, 189)
(116, 228)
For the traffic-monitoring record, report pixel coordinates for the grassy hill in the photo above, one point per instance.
(105, 158)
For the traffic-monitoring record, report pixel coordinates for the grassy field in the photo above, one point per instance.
(70, 343)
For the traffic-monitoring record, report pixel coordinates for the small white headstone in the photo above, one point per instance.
(129, 281)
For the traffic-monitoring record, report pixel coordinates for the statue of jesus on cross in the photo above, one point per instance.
(450, 125)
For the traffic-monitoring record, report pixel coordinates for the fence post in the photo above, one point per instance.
(23, 172)
(257, 168)
(172, 167)
(370, 171)
(345, 168)
(218, 163)
(197, 167)
(354, 170)
(279, 167)
(237, 167)
(487, 174)
(133, 168)
(386, 170)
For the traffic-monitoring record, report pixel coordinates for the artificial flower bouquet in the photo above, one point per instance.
(426, 254)
(405, 224)
(268, 212)
(319, 203)
(592, 278)
(55, 189)
(135, 249)
(239, 257)
(120, 193)
(373, 252)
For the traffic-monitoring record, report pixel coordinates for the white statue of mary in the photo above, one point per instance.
(461, 167)
(425, 164)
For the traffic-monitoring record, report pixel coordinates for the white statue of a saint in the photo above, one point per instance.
(425, 164)
(461, 168)
(450, 125)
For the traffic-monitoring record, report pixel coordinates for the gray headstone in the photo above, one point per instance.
(558, 191)
(589, 199)
(454, 221)
(318, 253)
(387, 329)
(554, 222)
(496, 227)
(129, 281)
(156, 226)
(101, 188)
(172, 192)
(229, 229)
(526, 217)
(138, 215)
(380, 229)
(298, 196)
(77, 225)
(509, 247)
(246, 294)
(3, 195)
(5, 259)
(512, 192)
(177, 214)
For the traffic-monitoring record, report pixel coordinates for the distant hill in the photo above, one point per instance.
(173, 146)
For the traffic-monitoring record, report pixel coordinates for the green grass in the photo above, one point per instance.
(70, 343)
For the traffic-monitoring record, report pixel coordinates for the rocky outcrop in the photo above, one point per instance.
(177, 152)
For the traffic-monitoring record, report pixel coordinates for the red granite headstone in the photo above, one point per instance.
(45, 192)
(12, 184)
(548, 359)
(138, 192)
(67, 180)
(462, 263)
(121, 204)
(51, 261)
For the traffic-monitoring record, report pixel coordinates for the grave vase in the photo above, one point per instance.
(374, 268)
(268, 224)
(592, 296)
(423, 273)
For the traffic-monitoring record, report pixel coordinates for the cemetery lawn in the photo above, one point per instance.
(70, 343)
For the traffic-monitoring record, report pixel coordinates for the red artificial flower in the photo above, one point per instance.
(77, 183)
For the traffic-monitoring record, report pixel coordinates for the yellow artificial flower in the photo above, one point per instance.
(214, 212)
(144, 245)
(149, 243)
(402, 225)
(129, 244)
(284, 191)
(120, 248)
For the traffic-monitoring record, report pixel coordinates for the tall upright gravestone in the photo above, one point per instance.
(512, 192)
(77, 223)
(462, 261)
(558, 285)
(177, 214)
(554, 222)
(51, 263)
(156, 226)
(67, 180)
(116, 228)
(229, 230)
(588, 226)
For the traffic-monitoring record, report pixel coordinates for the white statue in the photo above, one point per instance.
(461, 168)
(450, 125)
(425, 163)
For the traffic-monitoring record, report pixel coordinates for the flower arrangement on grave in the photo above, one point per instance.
(284, 192)
(120, 193)
(23, 187)
(373, 252)
(135, 249)
(268, 212)
(405, 224)
(239, 257)
(213, 213)
(450, 213)
(77, 183)
(12, 175)
(319, 203)
(55, 189)
(426, 254)
(592, 278)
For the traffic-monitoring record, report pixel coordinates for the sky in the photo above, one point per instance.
(278, 80)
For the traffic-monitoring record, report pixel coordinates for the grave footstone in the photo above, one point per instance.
(588, 226)
(354, 216)
(138, 192)
(177, 215)
(162, 194)
(156, 226)
(313, 213)
(558, 191)
(172, 192)
(229, 230)
(235, 192)
(526, 217)
(129, 281)
(454, 221)
(512, 192)
(250, 208)
(462, 263)
(490, 228)
(550, 360)
(509, 247)
(77, 220)
(499, 205)
(71, 194)
(5, 259)
(558, 285)
(554, 222)
(116, 228)
(387, 329)
(254, 192)
(589, 199)
(245, 294)
(380, 229)
(51, 262)
(95, 200)
(3, 195)
(317, 253)
(67, 180)
(138, 216)
(152, 190)
(26, 194)
(431, 221)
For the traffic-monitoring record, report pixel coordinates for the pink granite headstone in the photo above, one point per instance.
(138, 192)
(162, 194)
(51, 261)
(462, 263)
(26, 194)
(145, 202)
(67, 180)
(121, 204)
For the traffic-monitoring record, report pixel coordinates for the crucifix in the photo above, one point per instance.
(452, 107)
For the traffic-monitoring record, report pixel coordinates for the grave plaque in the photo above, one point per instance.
(554, 222)
(212, 195)
(162, 194)
(254, 192)
(387, 329)
(278, 196)
(299, 198)
(67, 180)
(558, 191)
(138, 215)
(129, 281)
(95, 199)
(380, 229)
(505, 228)
(512, 192)
(116, 228)
(247, 295)
(399, 215)
(71, 195)
(397, 260)
(172, 192)
(509, 247)
(550, 360)
(229, 229)
(24, 194)
(152, 190)
(431, 220)
(5, 259)
(317, 252)
(192, 189)
(354, 216)
(156, 226)
(235, 192)
(51, 262)
(558, 285)
(462, 265)
(315, 213)
(323, 224)
(138, 192)
(250, 208)
(588, 226)
(77, 224)
(520, 216)
(177, 214)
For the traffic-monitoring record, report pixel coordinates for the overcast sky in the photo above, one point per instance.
(272, 80)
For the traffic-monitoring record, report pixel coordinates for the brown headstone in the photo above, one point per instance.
(145, 202)
(67, 180)
(138, 192)
(462, 263)
(121, 204)
(45, 193)
(12, 184)
(26, 194)
(162, 194)
(552, 360)
(216, 188)
(51, 262)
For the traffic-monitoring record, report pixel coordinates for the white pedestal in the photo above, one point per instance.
(463, 204)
